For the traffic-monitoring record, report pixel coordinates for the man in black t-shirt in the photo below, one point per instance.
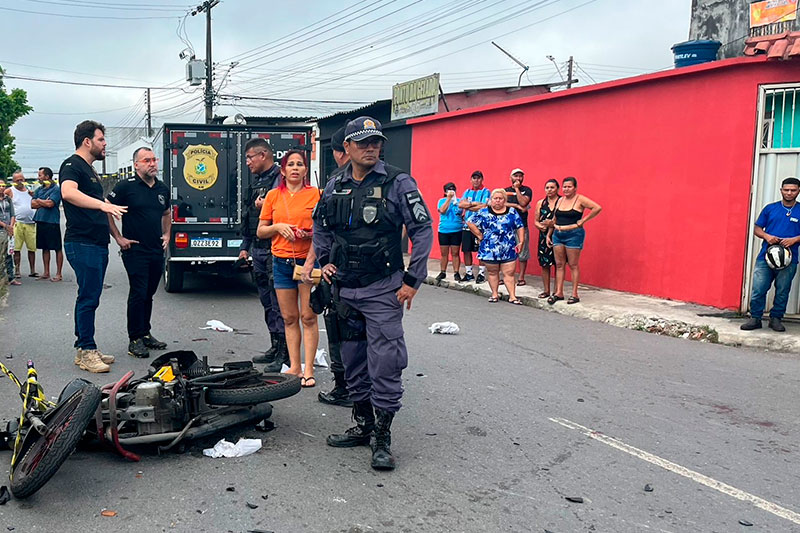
(146, 229)
(86, 239)
(519, 196)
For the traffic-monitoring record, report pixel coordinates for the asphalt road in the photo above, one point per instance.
(500, 424)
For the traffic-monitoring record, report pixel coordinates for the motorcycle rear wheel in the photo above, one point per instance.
(258, 388)
(43, 455)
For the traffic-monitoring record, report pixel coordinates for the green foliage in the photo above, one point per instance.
(13, 105)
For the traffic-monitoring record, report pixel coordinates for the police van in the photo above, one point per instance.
(203, 166)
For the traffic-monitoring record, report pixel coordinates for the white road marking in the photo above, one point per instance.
(724, 488)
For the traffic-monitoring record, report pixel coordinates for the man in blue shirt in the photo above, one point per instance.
(46, 201)
(474, 199)
(778, 223)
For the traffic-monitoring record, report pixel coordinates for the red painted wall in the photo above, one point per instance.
(668, 156)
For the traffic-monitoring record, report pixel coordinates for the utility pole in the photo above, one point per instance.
(570, 65)
(206, 7)
(149, 117)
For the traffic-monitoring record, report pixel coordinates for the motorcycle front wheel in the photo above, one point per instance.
(258, 388)
(42, 455)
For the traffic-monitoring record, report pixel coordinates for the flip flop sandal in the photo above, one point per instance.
(521, 282)
(573, 300)
(553, 299)
(304, 382)
(544, 295)
(493, 300)
(56, 279)
(33, 275)
(515, 302)
(42, 278)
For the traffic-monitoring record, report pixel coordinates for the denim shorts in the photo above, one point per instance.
(282, 271)
(572, 238)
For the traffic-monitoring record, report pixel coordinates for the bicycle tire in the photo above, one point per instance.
(259, 388)
(43, 455)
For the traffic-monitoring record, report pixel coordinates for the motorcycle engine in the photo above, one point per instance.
(154, 408)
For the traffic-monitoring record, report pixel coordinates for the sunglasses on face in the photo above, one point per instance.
(373, 142)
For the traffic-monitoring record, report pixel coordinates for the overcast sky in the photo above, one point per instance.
(344, 51)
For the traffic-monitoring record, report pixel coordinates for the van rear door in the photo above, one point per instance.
(204, 168)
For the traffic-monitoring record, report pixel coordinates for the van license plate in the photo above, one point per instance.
(206, 243)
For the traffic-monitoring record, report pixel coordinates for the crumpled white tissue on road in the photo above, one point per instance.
(216, 325)
(445, 328)
(227, 449)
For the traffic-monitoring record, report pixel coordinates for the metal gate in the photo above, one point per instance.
(777, 158)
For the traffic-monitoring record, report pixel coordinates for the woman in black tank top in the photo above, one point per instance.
(567, 236)
(545, 210)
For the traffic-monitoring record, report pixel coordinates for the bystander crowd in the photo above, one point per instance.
(7, 219)
(519, 197)
(450, 224)
(286, 220)
(777, 224)
(266, 175)
(46, 201)
(25, 226)
(545, 214)
(475, 198)
(567, 236)
(499, 229)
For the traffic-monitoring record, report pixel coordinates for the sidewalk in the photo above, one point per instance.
(643, 313)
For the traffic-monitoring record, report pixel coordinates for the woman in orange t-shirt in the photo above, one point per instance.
(286, 219)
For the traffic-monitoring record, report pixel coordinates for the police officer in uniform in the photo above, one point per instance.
(338, 395)
(358, 227)
(260, 160)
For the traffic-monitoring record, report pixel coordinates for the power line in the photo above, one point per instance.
(301, 35)
(501, 35)
(80, 16)
(87, 84)
(94, 5)
(470, 31)
(266, 99)
(4, 62)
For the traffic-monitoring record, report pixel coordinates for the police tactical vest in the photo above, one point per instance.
(367, 236)
(260, 186)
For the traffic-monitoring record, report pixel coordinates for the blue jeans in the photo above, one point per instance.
(89, 262)
(763, 276)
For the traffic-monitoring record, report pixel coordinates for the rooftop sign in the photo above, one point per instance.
(416, 97)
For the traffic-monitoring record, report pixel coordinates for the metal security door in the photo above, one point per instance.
(777, 158)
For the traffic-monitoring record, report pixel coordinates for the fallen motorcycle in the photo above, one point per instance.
(182, 398)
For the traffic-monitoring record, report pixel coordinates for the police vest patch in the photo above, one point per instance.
(417, 207)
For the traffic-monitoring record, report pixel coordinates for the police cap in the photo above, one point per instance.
(363, 128)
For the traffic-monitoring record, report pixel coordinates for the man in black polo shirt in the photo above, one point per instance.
(145, 235)
(86, 239)
(519, 196)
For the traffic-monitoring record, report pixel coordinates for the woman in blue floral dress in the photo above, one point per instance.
(495, 227)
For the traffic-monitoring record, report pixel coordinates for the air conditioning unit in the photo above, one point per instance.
(195, 71)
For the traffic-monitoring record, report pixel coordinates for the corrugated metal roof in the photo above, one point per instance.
(354, 109)
(784, 45)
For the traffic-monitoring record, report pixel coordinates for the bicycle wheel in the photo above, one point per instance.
(258, 388)
(43, 455)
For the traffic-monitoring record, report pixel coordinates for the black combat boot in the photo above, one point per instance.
(382, 458)
(281, 356)
(268, 356)
(359, 434)
(339, 394)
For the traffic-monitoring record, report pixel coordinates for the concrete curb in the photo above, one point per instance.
(704, 329)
